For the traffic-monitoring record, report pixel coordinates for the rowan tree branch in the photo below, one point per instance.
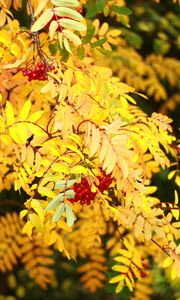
(35, 38)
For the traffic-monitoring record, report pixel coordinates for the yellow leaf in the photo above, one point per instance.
(14, 135)
(103, 30)
(129, 284)
(28, 229)
(23, 213)
(35, 204)
(117, 279)
(68, 12)
(123, 260)
(119, 287)
(40, 7)
(66, 45)
(148, 231)
(95, 140)
(173, 273)
(139, 225)
(79, 170)
(9, 113)
(60, 244)
(36, 116)
(43, 20)
(35, 221)
(52, 29)
(114, 32)
(44, 191)
(74, 149)
(72, 37)
(2, 125)
(2, 18)
(25, 111)
(176, 201)
(171, 174)
(72, 24)
(120, 268)
(168, 261)
(15, 50)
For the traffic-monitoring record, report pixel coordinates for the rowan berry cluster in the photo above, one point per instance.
(38, 72)
(83, 192)
(104, 181)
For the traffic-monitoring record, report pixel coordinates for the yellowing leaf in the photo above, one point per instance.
(43, 20)
(44, 191)
(72, 37)
(68, 12)
(79, 170)
(66, 45)
(74, 149)
(71, 24)
(58, 212)
(40, 7)
(71, 3)
(69, 215)
(52, 29)
(35, 204)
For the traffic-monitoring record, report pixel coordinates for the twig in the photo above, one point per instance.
(35, 37)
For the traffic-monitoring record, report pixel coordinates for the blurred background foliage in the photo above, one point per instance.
(147, 59)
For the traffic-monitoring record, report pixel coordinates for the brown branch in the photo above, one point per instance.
(35, 38)
(11, 202)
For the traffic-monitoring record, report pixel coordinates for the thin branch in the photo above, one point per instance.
(35, 37)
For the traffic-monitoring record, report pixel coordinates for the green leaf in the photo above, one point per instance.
(61, 184)
(72, 24)
(55, 202)
(81, 52)
(70, 194)
(133, 38)
(69, 215)
(53, 48)
(121, 10)
(43, 20)
(98, 43)
(58, 213)
(89, 35)
(100, 4)
(161, 47)
(94, 10)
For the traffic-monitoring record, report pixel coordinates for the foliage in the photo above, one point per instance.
(74, 139)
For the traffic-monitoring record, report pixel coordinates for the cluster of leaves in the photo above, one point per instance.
(80, 123)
